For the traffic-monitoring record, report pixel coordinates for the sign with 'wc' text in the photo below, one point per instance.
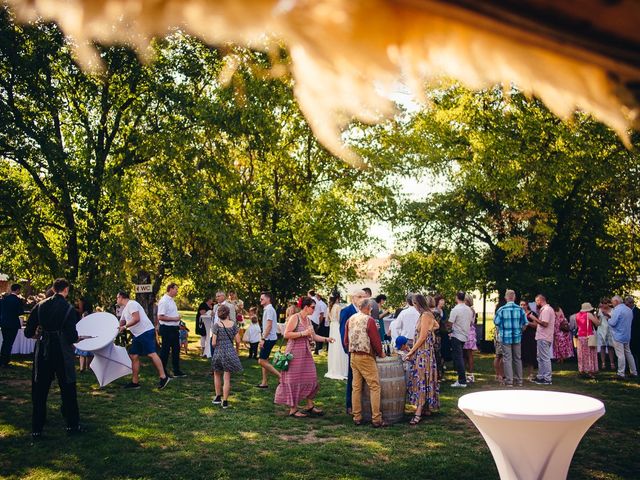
(146, 288)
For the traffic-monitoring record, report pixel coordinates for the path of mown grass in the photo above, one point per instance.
(177, 433)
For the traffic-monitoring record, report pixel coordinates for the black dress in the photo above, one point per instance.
(200, 328)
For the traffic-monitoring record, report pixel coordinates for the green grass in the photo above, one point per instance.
(178, 433)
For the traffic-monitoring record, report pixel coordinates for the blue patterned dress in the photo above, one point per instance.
(422, 385)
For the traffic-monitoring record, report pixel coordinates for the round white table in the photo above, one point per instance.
(532, 434)
(22, 345)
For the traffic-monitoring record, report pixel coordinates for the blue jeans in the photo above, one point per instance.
(544, 359)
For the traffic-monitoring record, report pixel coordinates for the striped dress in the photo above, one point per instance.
(300, 381)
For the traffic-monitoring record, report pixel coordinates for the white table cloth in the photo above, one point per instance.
(110, 362)
(532, 434)
(22, 344)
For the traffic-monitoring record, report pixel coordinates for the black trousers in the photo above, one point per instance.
(253, 350)
(8, 337)
(458, 359)
(47, 369)
(170, 341)
(322, 331)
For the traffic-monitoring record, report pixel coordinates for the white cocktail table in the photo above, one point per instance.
(110, 362)
(532, 434)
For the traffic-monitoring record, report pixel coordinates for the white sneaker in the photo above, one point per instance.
(470, 379)
(458, 385)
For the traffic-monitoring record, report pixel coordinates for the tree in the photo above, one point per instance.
(552, 204)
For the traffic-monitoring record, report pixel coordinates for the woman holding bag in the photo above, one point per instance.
(587, 344)
(300, 381)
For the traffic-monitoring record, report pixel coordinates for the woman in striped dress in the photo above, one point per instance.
(300, 381)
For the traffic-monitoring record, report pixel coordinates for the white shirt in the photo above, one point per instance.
(143, 325)
(232, 312)
(393, 330)
(254, 334)
(167, 307)
(461, 317)
(269, 313)
(406, 322)
(321, 307)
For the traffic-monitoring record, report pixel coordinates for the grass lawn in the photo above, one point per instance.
(178, 433)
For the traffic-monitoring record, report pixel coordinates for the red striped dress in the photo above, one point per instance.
(300, 381)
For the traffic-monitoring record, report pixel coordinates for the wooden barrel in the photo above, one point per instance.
(393, 391)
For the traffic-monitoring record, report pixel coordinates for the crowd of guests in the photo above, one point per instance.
(425, 336)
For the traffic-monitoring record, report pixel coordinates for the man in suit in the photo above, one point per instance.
(53, 321)
(12, 308)
(345, 314)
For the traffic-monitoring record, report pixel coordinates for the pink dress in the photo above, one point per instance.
(587, 356)
(562, 341)
(300, 381)
(472, 340)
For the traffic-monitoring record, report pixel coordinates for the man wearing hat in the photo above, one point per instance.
(510, 319)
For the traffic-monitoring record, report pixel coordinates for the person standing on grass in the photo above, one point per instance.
(345, 315)
(362, 339)
(269, 338)
(53, 321)
(300, 381)
(319, 319)
(169, 320)
(605, 340)
(460, 319)
(544, 338)
(224, 360)
(10, 311)
(528, 343)
(634, 344)
(510, 320)
(135, 319)
(586, 322)
(620, 325)
(423, 384)
(201, 328)
(471, 344)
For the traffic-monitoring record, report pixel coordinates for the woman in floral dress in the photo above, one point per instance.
(562, 340)
(423, 386)
(586, 322)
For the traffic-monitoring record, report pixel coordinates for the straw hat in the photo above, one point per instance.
(586, 307)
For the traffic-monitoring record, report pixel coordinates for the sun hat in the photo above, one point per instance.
(586, 307)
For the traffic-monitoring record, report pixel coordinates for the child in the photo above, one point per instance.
(252, 335)
(402, 348)
(184, 337)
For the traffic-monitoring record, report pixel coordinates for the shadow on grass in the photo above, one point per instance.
(178, 433)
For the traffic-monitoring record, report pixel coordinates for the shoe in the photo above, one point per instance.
(620, 377)
(163, 382)
(179, 374)
(458, 385)
(519, 384)
(131, 386)
(358, 423)
(225, 404)
(508, 385)
(75, 430)
(217, 400)
(382, 424)
(262, 386)
(535, 379)
(542, 381)
(470, 379)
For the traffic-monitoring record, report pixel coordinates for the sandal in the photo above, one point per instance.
(415, 420)
(314, 411)
(298, 414)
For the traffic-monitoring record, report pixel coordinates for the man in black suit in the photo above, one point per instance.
(53, 321)
(12, 308)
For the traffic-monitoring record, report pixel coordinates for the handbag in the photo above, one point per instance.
(564, 326)
(282, 359)
(592, 341)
